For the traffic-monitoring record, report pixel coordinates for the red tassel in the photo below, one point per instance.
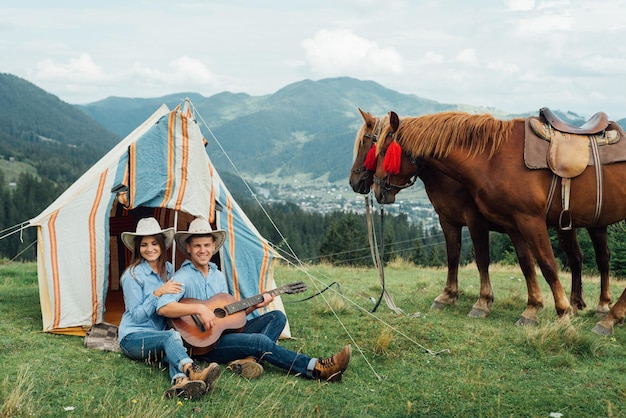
(370, 160)
(391, 163)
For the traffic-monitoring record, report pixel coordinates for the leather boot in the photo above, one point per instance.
(331, 368)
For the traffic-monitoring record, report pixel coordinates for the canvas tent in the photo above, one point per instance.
(161, 169)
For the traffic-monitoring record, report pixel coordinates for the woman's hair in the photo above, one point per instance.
(137, 258)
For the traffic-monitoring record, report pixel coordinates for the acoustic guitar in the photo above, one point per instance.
(229, 314)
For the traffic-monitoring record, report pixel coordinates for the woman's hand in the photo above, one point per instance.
(169, 287)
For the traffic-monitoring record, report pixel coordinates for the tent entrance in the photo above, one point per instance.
(122, 220)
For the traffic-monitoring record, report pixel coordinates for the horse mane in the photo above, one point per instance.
(438, 134)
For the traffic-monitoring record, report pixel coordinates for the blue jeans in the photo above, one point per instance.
(154, 346)
(258, 339)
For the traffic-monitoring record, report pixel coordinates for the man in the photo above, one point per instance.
(201, 279)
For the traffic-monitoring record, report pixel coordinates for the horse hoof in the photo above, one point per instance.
(602, 330)
(523, 322)
(438, 305)
(477, 313)
(601, 311)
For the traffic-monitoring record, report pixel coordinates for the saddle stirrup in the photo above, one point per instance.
(565, 218)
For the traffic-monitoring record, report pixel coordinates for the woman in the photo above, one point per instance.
(143, 334)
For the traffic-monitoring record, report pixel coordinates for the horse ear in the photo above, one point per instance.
(394, 120)
(367, 117)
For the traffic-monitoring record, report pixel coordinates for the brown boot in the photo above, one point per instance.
(208, 375)
(331, 368)
(247, 367)
(186, 389)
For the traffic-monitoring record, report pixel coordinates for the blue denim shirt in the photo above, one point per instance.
(195, 284)
(138, 284)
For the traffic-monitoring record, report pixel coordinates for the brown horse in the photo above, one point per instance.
(486, 156)
(456, 209)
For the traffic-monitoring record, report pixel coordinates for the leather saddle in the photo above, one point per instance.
(569, 149)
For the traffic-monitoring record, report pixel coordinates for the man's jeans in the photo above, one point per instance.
(258, 339)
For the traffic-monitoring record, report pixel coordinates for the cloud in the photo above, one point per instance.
(340, 52)
(433, 57)
(83, 75)
(503, 67)
(520, 5)
(467, 56)
(601, 65)
(77, 70)
(539, 25)
(182, 70)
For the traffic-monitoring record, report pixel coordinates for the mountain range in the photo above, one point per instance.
(306, 129)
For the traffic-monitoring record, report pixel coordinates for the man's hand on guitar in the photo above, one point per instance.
(206, 315)
(267, 299)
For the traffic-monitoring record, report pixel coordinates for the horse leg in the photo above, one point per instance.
(450, 294)
(479, 230)
(527, 265)
(535, 233)
(599, 238)
(616, 315)
(569, 243)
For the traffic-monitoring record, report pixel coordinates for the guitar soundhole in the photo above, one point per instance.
(220, 313)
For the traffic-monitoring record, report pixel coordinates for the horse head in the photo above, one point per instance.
(361, 177)
(392, 176)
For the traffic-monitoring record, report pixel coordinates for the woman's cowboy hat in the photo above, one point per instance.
(147, 227)
(199, 226)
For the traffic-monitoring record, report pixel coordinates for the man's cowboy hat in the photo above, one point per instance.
(199, 226)
(147, 227)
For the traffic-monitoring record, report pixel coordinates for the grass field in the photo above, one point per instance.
(484, 367)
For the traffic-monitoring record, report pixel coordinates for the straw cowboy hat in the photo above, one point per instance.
(199, 226)
(148, 227)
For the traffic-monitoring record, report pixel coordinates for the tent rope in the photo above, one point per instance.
(300, 265)
(388, 325)
(241, 177)
(21, 252)
(14, 229)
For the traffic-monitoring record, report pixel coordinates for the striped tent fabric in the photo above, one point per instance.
(161, 169)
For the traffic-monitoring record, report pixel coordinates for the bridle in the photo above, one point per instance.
(374, 137)
(385, 182)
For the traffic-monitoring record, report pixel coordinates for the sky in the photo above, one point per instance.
(513, 55)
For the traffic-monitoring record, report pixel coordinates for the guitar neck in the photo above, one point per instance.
(247, 303)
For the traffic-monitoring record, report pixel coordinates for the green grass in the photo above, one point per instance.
(485, 368)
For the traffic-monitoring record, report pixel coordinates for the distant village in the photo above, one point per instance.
(332, 197)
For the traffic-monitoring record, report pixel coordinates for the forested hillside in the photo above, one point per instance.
(45, 144)
(55, 138)
(307, 127)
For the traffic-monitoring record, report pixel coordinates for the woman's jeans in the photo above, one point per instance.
(154, 346)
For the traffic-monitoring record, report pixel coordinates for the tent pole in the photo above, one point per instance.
(174, 244)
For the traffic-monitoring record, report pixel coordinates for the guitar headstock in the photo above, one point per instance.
(293, 288)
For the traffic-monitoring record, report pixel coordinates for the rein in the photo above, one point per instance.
(378, 259)
(381, 255)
